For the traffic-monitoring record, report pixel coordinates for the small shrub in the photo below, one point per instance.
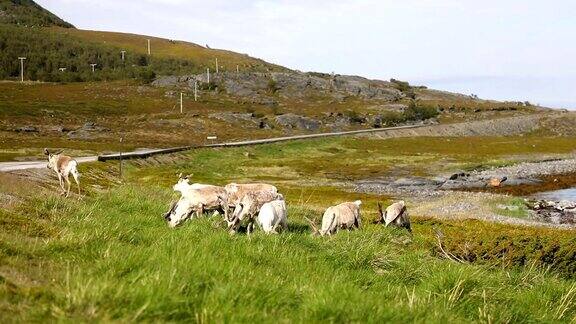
(272, 86)
(208, 86)
(355, 117)
(401, 85)
(388, 119)
(146, 76)
(417, 111)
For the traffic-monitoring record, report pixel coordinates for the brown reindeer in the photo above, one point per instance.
(63, 165)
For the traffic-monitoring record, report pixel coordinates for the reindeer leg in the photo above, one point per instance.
(250, 227)
(76, 178)
(68, 184)
(61, 183)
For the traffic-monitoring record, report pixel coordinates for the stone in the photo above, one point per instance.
(297, 122)
(27, 129)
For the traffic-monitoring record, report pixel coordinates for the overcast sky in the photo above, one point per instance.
(512, 49)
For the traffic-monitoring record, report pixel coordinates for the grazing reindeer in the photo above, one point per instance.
(63, 165)
(395, 215)
(342, 216)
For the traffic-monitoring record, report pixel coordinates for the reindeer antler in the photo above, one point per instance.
(312, 223)
(381, 213)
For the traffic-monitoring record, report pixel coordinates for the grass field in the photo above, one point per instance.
(110, 257)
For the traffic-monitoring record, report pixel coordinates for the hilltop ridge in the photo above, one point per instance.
(30, 14)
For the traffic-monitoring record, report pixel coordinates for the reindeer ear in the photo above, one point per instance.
(46, 152)
(179, 175)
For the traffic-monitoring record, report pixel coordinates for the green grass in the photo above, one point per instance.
(111, 257)
(354, 158)
(511, 207)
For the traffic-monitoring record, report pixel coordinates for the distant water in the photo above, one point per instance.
(557, 195)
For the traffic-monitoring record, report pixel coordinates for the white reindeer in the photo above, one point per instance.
(63, 165)
(272, 216)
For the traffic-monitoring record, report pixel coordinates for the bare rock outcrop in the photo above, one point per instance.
(297, 122)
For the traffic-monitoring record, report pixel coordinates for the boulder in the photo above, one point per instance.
(27, 129)
(556, 212)
(88, 131)
(297, 122)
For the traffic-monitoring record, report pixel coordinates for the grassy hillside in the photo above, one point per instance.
(51, 45)
(110, 257)
(175, 49)
(49, 49)
(28, 13)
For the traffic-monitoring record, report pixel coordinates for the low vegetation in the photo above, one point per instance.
(110, 256)
(56, 57)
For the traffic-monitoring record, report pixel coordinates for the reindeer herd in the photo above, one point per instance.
(262, 204)
(240, 204)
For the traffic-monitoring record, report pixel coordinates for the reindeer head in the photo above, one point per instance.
(178, 213)
(52, 158)
(183, 183)
(246, 208)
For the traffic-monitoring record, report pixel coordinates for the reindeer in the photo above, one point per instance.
(63, 165)
(395, 215)
(343, 216)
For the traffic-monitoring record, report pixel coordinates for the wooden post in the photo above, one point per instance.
(181, 103)
(121, 139)
(237, 69)
(22, 68)
(208, 75)
(195, 90)
(148, 46)
(217, 66)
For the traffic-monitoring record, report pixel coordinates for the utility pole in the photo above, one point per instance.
(181, 103)
(208, 74)
(148, 46)
(195, 90)
(123, 55)
(93, 65)
(121, 139)
(216, 65)
(22, 68)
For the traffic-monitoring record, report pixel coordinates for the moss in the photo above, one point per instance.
(506, 246)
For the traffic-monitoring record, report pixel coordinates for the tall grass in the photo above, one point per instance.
(111, 257)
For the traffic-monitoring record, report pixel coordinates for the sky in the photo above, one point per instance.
(521, 50)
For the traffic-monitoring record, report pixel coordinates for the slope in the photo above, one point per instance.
(29, 13)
